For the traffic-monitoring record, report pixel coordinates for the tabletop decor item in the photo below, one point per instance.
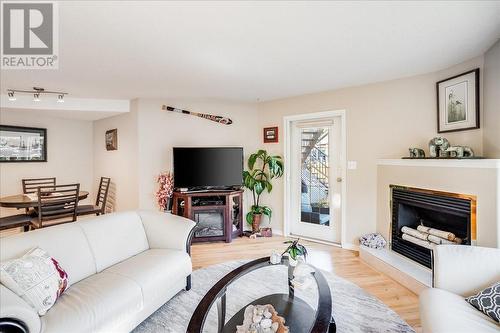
(271, 134)
(458, 102)
(262, 168)
(217, 119)
(262, 319)
(275, 257)
(294, 251)
(23, 144)
(416, 152)
(438, 146)
(165, 191)
(112, 139)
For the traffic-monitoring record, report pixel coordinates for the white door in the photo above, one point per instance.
(315, 179)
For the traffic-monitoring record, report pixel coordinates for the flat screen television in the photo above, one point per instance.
(208, 168)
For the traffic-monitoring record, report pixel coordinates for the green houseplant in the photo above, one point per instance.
(262, 168)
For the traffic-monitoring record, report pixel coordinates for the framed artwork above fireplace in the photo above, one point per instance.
(458, 102)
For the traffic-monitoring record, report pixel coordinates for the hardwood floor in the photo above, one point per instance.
(342, 262)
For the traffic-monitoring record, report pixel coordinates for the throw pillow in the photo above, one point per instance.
(488, 301)
(36, 277)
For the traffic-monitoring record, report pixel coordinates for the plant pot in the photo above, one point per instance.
(168, 205)
(256, 218)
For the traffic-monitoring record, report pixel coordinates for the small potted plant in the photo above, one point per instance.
(295, 251)
(262, 167)
(165, 191)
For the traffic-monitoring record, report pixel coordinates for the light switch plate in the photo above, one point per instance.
(352, 165)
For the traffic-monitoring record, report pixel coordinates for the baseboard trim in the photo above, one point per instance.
(350, 246)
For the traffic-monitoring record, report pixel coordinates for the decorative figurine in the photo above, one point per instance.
(460, 152)
(438, 146)
(416, 153)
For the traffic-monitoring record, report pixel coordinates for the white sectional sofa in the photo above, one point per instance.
(122, 267)
(459, 271)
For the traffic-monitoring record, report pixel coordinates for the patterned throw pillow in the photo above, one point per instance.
(36, 277)
(488, 301)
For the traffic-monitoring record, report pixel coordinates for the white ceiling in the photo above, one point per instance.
(250, 51)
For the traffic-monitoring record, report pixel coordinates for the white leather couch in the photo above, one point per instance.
(122, 267)
(459, 271)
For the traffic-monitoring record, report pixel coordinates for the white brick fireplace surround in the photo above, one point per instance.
(480, 178)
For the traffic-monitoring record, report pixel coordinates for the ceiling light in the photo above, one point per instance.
(36, 97)
(60, 98)
(11, 96)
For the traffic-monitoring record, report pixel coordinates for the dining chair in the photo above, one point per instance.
(100, 202)
(56, 203)
(30, 185)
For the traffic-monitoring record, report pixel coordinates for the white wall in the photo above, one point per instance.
(120, 165)
(383, 120)
(491, 122)
(69, 153)
(159, 131)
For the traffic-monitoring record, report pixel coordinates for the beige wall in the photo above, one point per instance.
(383, 120)
(120, 165)
(492, 102)
(69, 153)
(481, 182)
(159, 131)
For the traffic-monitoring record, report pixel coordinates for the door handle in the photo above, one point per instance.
(339, 179)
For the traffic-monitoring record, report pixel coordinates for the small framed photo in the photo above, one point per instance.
(271, 134)
(112, 139)
(23, 144)
(458, 102)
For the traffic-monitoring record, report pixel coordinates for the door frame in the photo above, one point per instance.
(287, 122)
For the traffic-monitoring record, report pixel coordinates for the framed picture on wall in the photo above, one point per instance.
(111, 139)
(23, 144)
(270, 134)
(458, 102)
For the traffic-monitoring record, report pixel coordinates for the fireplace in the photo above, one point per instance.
(423, 218)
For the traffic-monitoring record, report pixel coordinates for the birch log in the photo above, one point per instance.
(439, 240)
(436, 232)
(418, 241)
(414, 233)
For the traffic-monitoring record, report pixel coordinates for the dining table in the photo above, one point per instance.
(28, 201)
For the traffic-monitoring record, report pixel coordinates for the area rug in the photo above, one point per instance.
(354, 310)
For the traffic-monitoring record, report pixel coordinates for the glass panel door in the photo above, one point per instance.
(315, 179)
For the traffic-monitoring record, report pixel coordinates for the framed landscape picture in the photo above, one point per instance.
(23, 144)
(458, 102)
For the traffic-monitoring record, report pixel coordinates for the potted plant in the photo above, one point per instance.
(295, 251)
(262, 167)
(165, 191)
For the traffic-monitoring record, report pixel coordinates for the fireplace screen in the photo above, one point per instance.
(210, 222)
(422, 219)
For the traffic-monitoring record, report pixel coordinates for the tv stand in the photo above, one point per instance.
(217, 213)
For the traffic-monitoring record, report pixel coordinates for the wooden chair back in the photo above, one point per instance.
(102, 194)
(58, 202)
(30, 185)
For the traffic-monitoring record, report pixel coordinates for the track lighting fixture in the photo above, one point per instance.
(37, 92)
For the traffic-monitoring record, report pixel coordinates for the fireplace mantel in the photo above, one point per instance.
(476, 177)
(486, 163)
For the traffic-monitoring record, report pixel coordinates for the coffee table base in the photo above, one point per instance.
(298, 314)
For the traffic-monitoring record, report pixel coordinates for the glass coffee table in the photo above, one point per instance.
(258, 282)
